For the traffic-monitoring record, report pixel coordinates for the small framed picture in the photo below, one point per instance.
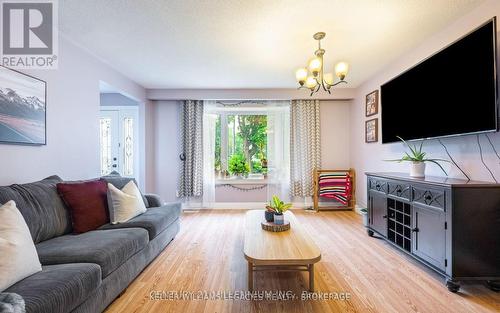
(371, 130)
(372, 103)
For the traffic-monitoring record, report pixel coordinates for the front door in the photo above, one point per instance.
(118, 141)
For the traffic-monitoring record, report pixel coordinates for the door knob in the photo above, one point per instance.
(385, 216)
(415, 230)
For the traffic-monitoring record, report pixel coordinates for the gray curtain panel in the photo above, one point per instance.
(305, 146)
(191, 174)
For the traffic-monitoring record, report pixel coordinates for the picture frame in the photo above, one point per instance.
(371, 130)
(23, 108)
(371, 105)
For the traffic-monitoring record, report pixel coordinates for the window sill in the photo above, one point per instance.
(241, 181)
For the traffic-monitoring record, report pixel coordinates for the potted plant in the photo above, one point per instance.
(238, 165)
(364, 213)
(279, 207)
(418, 159)
(269, 214)
(263, 160)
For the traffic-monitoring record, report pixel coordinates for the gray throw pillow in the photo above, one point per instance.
(11, 303)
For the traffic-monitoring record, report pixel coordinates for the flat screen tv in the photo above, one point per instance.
(453, 92)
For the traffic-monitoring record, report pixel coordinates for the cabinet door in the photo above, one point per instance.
(429, 235)
(378, 212)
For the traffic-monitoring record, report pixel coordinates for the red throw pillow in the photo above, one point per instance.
(87, 204)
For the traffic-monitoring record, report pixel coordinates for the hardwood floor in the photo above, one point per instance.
(207, 255)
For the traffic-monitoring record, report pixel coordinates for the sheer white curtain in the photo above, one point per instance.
(209, 122)
(278, 149)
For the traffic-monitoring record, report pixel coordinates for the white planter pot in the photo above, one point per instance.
(365, 219)
(417, 169)
(279, 219)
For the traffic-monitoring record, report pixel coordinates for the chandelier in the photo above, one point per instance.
(314, 78)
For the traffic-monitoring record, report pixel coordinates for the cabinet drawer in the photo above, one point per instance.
(399, 189)
(378, 184)
(431, 197)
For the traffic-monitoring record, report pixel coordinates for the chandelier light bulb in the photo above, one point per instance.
(341, 70)
(315, 66)
(301, 75)
(311, 82)
(328, 77)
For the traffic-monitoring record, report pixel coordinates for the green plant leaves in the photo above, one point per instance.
(238, 164)
(437, 163)
(417, 155)
(279, 206)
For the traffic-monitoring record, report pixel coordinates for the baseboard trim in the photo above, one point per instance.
(250, 205)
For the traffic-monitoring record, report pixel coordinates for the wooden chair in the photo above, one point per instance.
(339, 185)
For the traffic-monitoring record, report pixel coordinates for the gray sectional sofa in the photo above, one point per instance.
(85, 272)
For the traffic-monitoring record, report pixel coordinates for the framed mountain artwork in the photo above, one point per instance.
(22, 108)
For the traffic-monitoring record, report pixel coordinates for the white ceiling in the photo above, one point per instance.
(249, 43)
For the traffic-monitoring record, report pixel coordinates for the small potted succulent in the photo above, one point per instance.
(269, 214)
(279, 207)
(418, 159)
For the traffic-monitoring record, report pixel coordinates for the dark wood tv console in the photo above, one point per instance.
(450, 225)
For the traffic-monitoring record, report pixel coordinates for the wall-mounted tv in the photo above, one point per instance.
(453, 92)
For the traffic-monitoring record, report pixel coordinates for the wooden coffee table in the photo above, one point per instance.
(291, 250)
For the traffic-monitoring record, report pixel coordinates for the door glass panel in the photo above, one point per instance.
(128, 147)
(105, 144)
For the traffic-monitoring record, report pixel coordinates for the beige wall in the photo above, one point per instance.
(369, 157)
(72, 149)
(335, 130)
(165, 165)
(167, 147)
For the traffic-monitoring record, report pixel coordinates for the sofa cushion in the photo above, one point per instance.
(18, 258)
(86, 202)
(58, 288)
(119, 182)
(153, 200)
(42, 208)
(108, 248)
(155, 220)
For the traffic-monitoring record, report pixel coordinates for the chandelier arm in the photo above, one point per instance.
(324, 88)
(339, 82)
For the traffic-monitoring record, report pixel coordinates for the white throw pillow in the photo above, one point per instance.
(18, 256)
(126, 203)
